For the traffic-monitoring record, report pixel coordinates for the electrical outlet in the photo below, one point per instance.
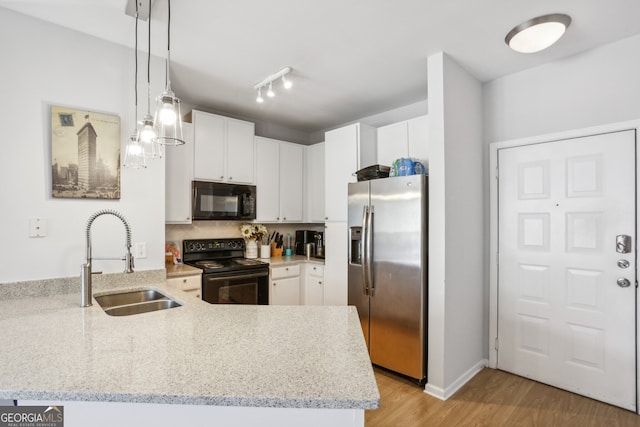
(141, 250)
(37, 227)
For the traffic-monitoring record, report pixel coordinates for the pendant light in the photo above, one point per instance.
(168, 120)
(134, 152)
(146, 129)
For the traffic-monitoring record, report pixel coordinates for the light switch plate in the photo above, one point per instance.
(38, 227)
(141, 250)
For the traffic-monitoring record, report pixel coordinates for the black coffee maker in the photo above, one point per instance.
(302, 238)
(319, 241)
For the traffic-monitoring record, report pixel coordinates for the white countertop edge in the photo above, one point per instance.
(266, 402)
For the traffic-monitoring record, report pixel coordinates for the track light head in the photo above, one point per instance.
(259, 99)
(286, 83)
(270, 92)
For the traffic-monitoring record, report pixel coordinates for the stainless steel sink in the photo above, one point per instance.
(126, 303)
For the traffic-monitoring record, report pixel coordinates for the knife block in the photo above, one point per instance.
(275, 251)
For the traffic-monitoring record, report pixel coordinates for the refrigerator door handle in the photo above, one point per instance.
(368, 233)
(363, 250)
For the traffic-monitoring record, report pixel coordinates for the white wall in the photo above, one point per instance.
(599, 86)
(44, 64)
(457, 332)
(596, 87)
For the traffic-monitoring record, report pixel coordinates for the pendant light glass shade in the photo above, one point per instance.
(134, 154)
(147, 138)
(168, 119)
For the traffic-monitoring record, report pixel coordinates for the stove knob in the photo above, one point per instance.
(192, 247)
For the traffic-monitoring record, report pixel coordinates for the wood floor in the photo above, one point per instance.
(491, 398)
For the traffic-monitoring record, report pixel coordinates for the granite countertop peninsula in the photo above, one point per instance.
(196, 354)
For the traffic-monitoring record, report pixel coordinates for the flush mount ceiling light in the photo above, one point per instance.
(538, 33)
(269, 82)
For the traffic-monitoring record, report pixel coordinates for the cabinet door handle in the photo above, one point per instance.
(274, 283)
(221, 177)
(230, 177)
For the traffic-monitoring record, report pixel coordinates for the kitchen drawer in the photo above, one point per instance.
(288, 271)
(315, 270)
(188, 283)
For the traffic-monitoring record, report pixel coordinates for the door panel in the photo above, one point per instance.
(562, 317)
(397, 317)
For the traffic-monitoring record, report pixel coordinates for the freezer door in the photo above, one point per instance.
(357, 292)
(398, 305)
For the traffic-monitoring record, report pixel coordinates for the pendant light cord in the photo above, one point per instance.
(136, 67)
(149, 64)
(167, 80)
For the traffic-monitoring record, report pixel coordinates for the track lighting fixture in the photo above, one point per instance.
(286, 83)
(269, 82)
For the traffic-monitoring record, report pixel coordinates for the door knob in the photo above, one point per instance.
(623, 283)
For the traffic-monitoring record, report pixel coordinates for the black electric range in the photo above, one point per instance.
(228, 277)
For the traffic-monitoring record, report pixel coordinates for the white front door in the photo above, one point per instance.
(566, 296)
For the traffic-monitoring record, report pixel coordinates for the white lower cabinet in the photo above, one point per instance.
(285, 285)
(191, 284)
(313, 289)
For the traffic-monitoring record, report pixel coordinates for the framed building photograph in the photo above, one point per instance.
(85, 154)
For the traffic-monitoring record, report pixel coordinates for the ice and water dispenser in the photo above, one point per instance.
(355, 252)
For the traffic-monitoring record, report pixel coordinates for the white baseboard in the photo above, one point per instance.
(446, 393)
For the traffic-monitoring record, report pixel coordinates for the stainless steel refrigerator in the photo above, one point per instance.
(388, 270)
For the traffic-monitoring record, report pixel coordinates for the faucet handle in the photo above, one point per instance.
(128, 264)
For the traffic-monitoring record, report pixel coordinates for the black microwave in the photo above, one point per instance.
(220, 201)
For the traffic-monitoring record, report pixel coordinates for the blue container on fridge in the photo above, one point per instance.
(407, 166)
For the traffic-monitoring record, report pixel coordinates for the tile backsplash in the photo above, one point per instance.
(226, 229)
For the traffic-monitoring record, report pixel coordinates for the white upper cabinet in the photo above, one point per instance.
(314, 194)
(178, 177)
(224, 148)
(240, 151)
(403, 139)
(279, 180)
(347, 150)
(291, 180)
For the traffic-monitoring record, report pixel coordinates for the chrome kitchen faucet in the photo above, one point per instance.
(85, 273)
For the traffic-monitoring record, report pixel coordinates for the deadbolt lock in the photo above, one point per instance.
(623, 244)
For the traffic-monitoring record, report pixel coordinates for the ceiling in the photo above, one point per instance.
(350, 58)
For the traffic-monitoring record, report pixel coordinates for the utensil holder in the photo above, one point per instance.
(275, 251)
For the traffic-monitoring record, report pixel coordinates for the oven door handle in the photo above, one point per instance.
(239, 275)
